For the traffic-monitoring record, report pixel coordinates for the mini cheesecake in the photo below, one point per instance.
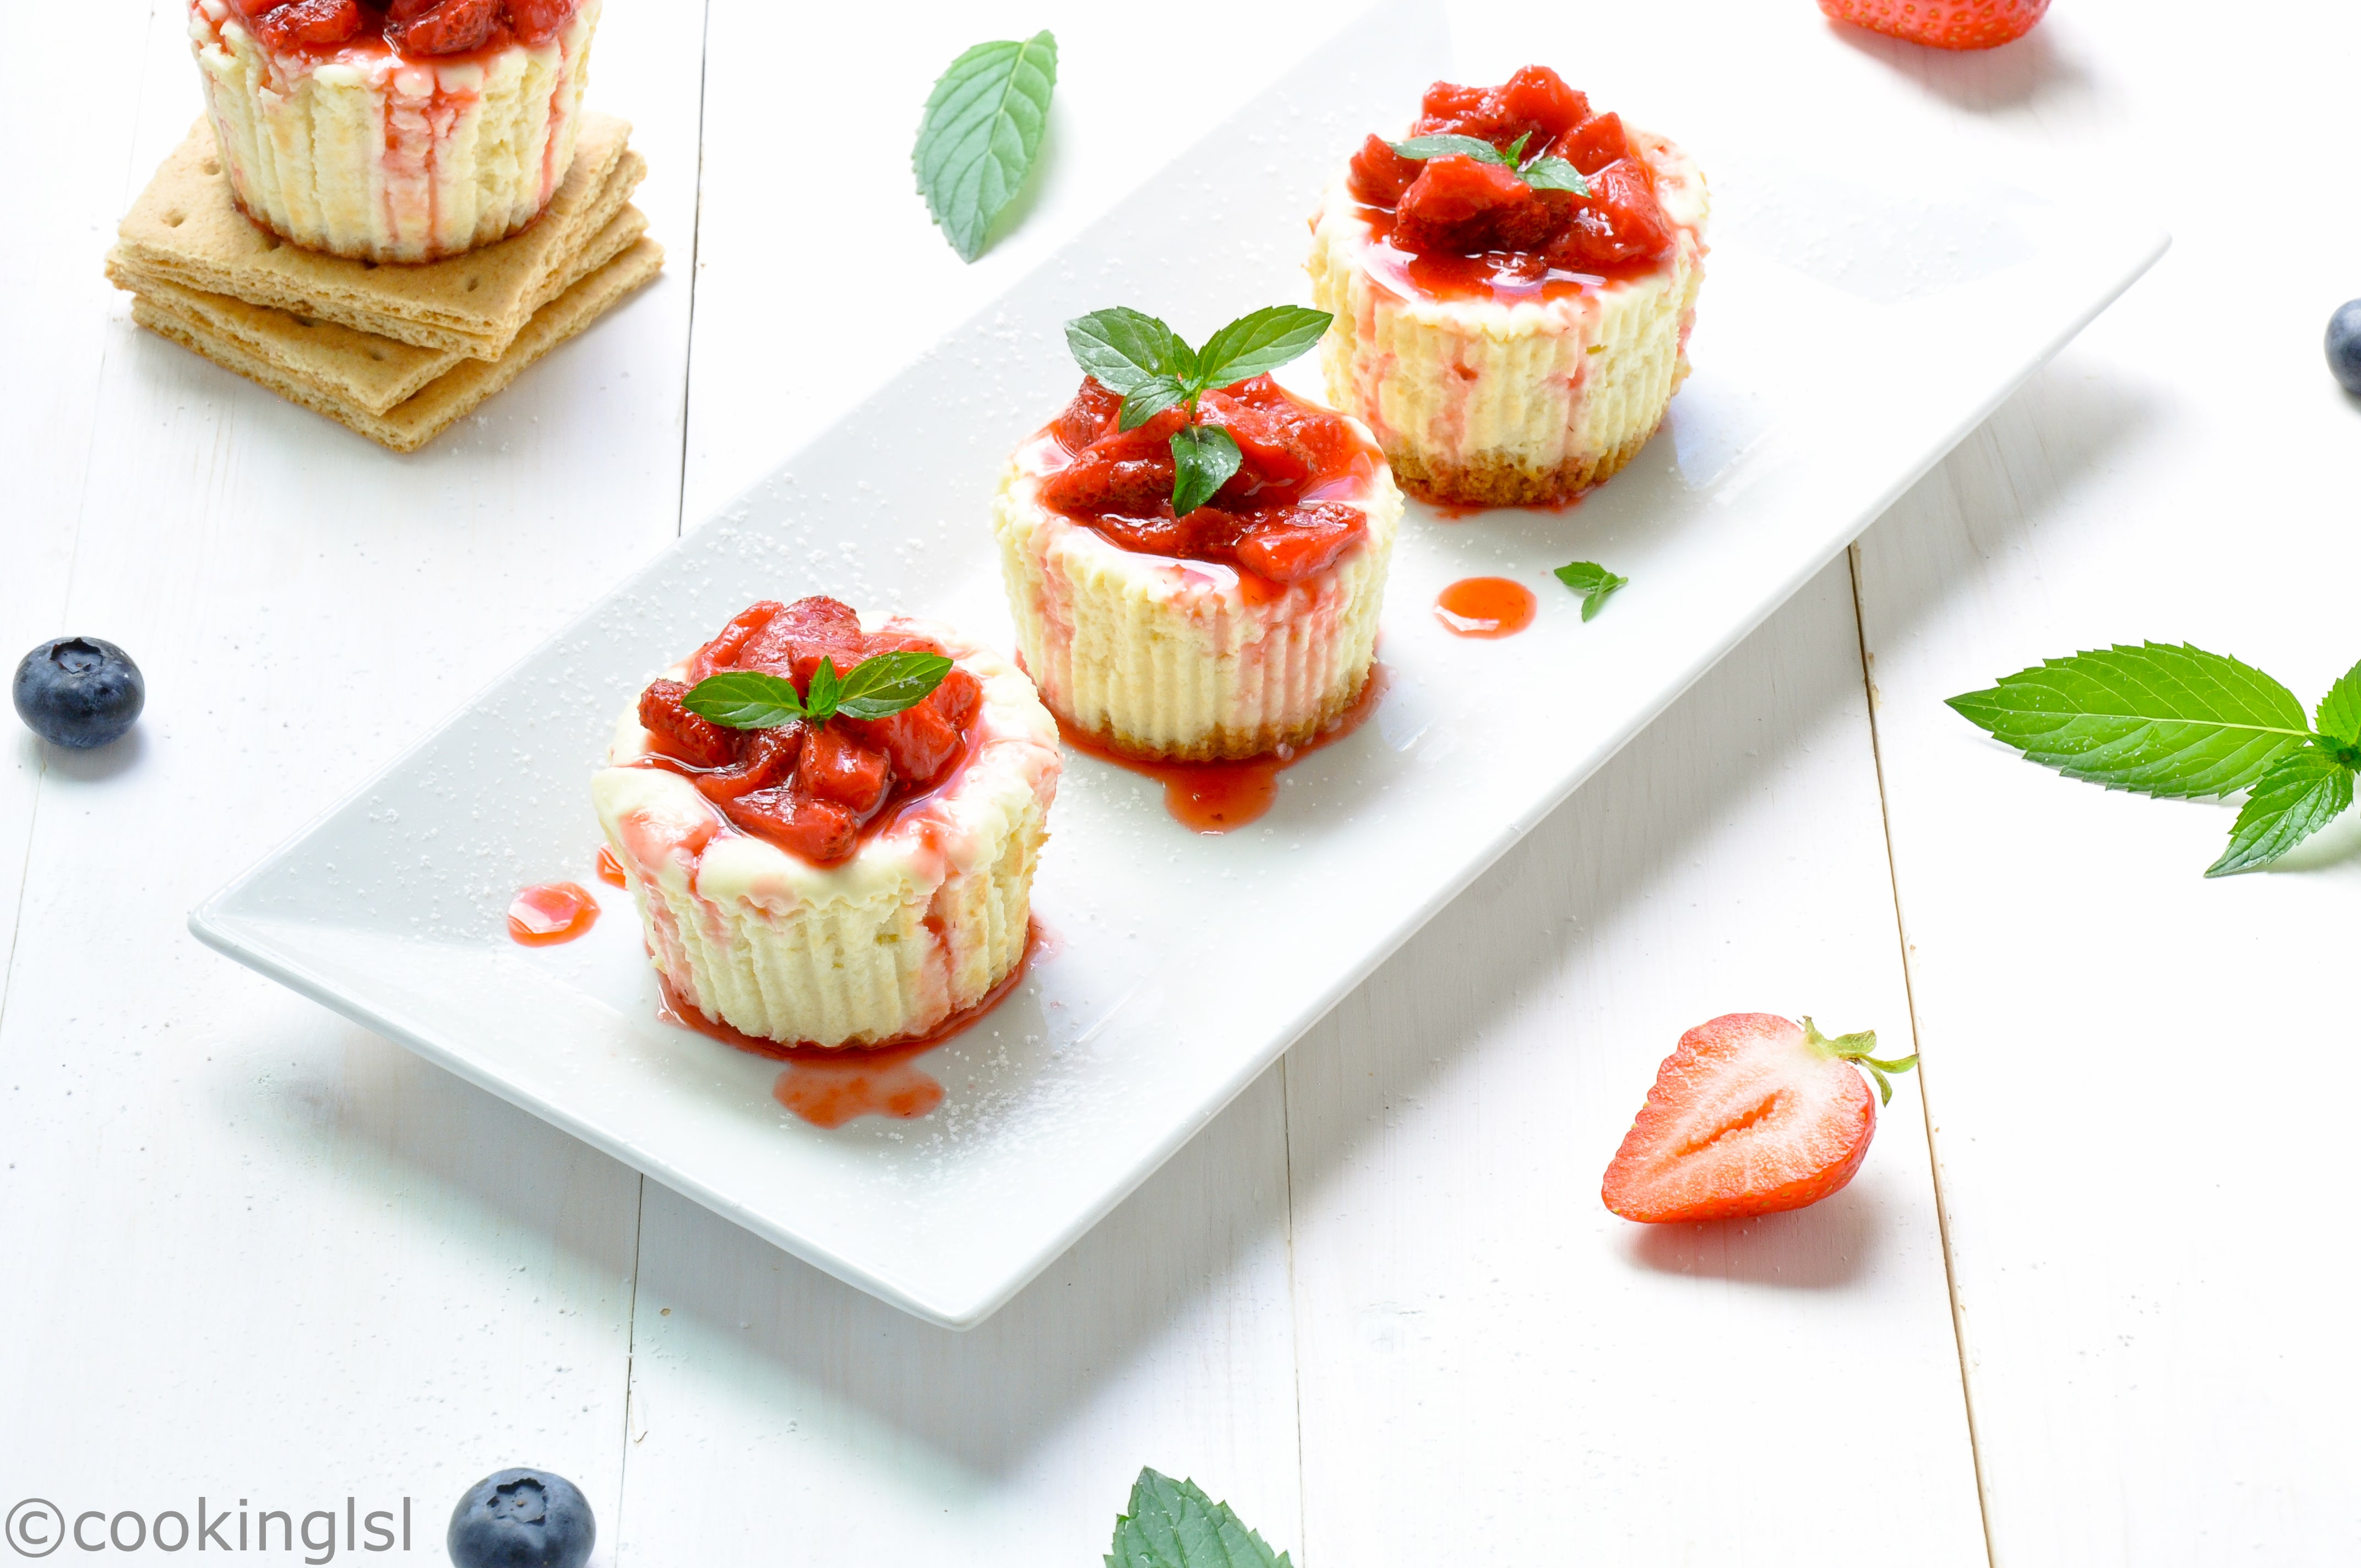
(1245, 628)
(1511, 344)
(404, 135)
(858, 883)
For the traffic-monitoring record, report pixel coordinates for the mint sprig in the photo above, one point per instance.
(1133, 353)
(2179, 723)
(1172, 1524)
(877, 688)
(1542, 172)
(1592, 581)
(982, 126)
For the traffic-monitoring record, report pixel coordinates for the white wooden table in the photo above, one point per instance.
(252, 1252)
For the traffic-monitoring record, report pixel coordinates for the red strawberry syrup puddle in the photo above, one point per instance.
(829, 1085)
(1216, 797)
(1486, 606)
(552, 912)
(610, 869)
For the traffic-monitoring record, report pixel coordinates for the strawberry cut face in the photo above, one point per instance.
(1751, 1114)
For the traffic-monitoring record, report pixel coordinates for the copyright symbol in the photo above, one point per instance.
(35, 1528)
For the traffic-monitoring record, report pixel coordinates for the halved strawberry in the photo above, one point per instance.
(1943, 24)
(1751, 1114)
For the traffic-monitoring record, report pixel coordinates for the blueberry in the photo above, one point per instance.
(522, 1518)
(79, 691)
(2344, 346)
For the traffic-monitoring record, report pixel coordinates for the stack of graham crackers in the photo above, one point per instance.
(396, 353)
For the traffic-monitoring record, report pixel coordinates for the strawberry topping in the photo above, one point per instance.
(414, 27)
(1267, 518)
(813, 790)
(1457, 207)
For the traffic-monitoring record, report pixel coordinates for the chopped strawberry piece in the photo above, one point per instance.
(1539, 95)
(691, 738)
(1303, 543)
(538, 21)
(318, 23)
(819, 831)
(767, 758)
(1269, 437)
(836, 767)
(1379, 175)
(1448, 103)
(1751, 1114)
(1090, 415)
(1596, 143)
(1619, 221)
(1095, 484)
(1456, 204)
(918, 744)
(957, 699)
(721, 654)
(794, 641)
(453, 26)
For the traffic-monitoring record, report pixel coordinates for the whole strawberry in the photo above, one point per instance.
(1751, 1113)
(1944, 24)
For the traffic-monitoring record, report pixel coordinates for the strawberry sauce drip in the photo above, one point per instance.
(610, 869)
(1216, 797)
(1459, 227)
(552, 912)
(830, 1085)
(1486, 606)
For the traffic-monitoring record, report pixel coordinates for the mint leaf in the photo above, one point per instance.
(2338, 718)
(744, 699)
(890, 683)
(821, 692)
(983, 125)
(2158, 720)
(2301, 793)
(1554, 174)
(1147, 399)
(1592, 581)
(1124, 348)
(1254, 344)
(1418, 149)
(1204, 458)
(1172, 1524)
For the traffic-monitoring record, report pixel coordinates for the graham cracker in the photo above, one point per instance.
(411, 424)
(342, 363)
(185, 229)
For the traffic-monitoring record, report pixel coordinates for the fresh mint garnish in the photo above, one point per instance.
(1132, 353)
(2179, 723)
(1592, 581)
(877, 688)
(1541, 172)
(983, 126)
(1172, 1524)
(1204, 458)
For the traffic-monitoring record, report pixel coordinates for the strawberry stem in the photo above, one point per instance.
(1856, 1048)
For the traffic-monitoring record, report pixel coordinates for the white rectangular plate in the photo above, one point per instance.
(1851, 332)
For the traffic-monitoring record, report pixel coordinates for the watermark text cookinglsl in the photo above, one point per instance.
(37, 1526)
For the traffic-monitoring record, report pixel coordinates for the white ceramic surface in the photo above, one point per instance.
(1851, 332)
